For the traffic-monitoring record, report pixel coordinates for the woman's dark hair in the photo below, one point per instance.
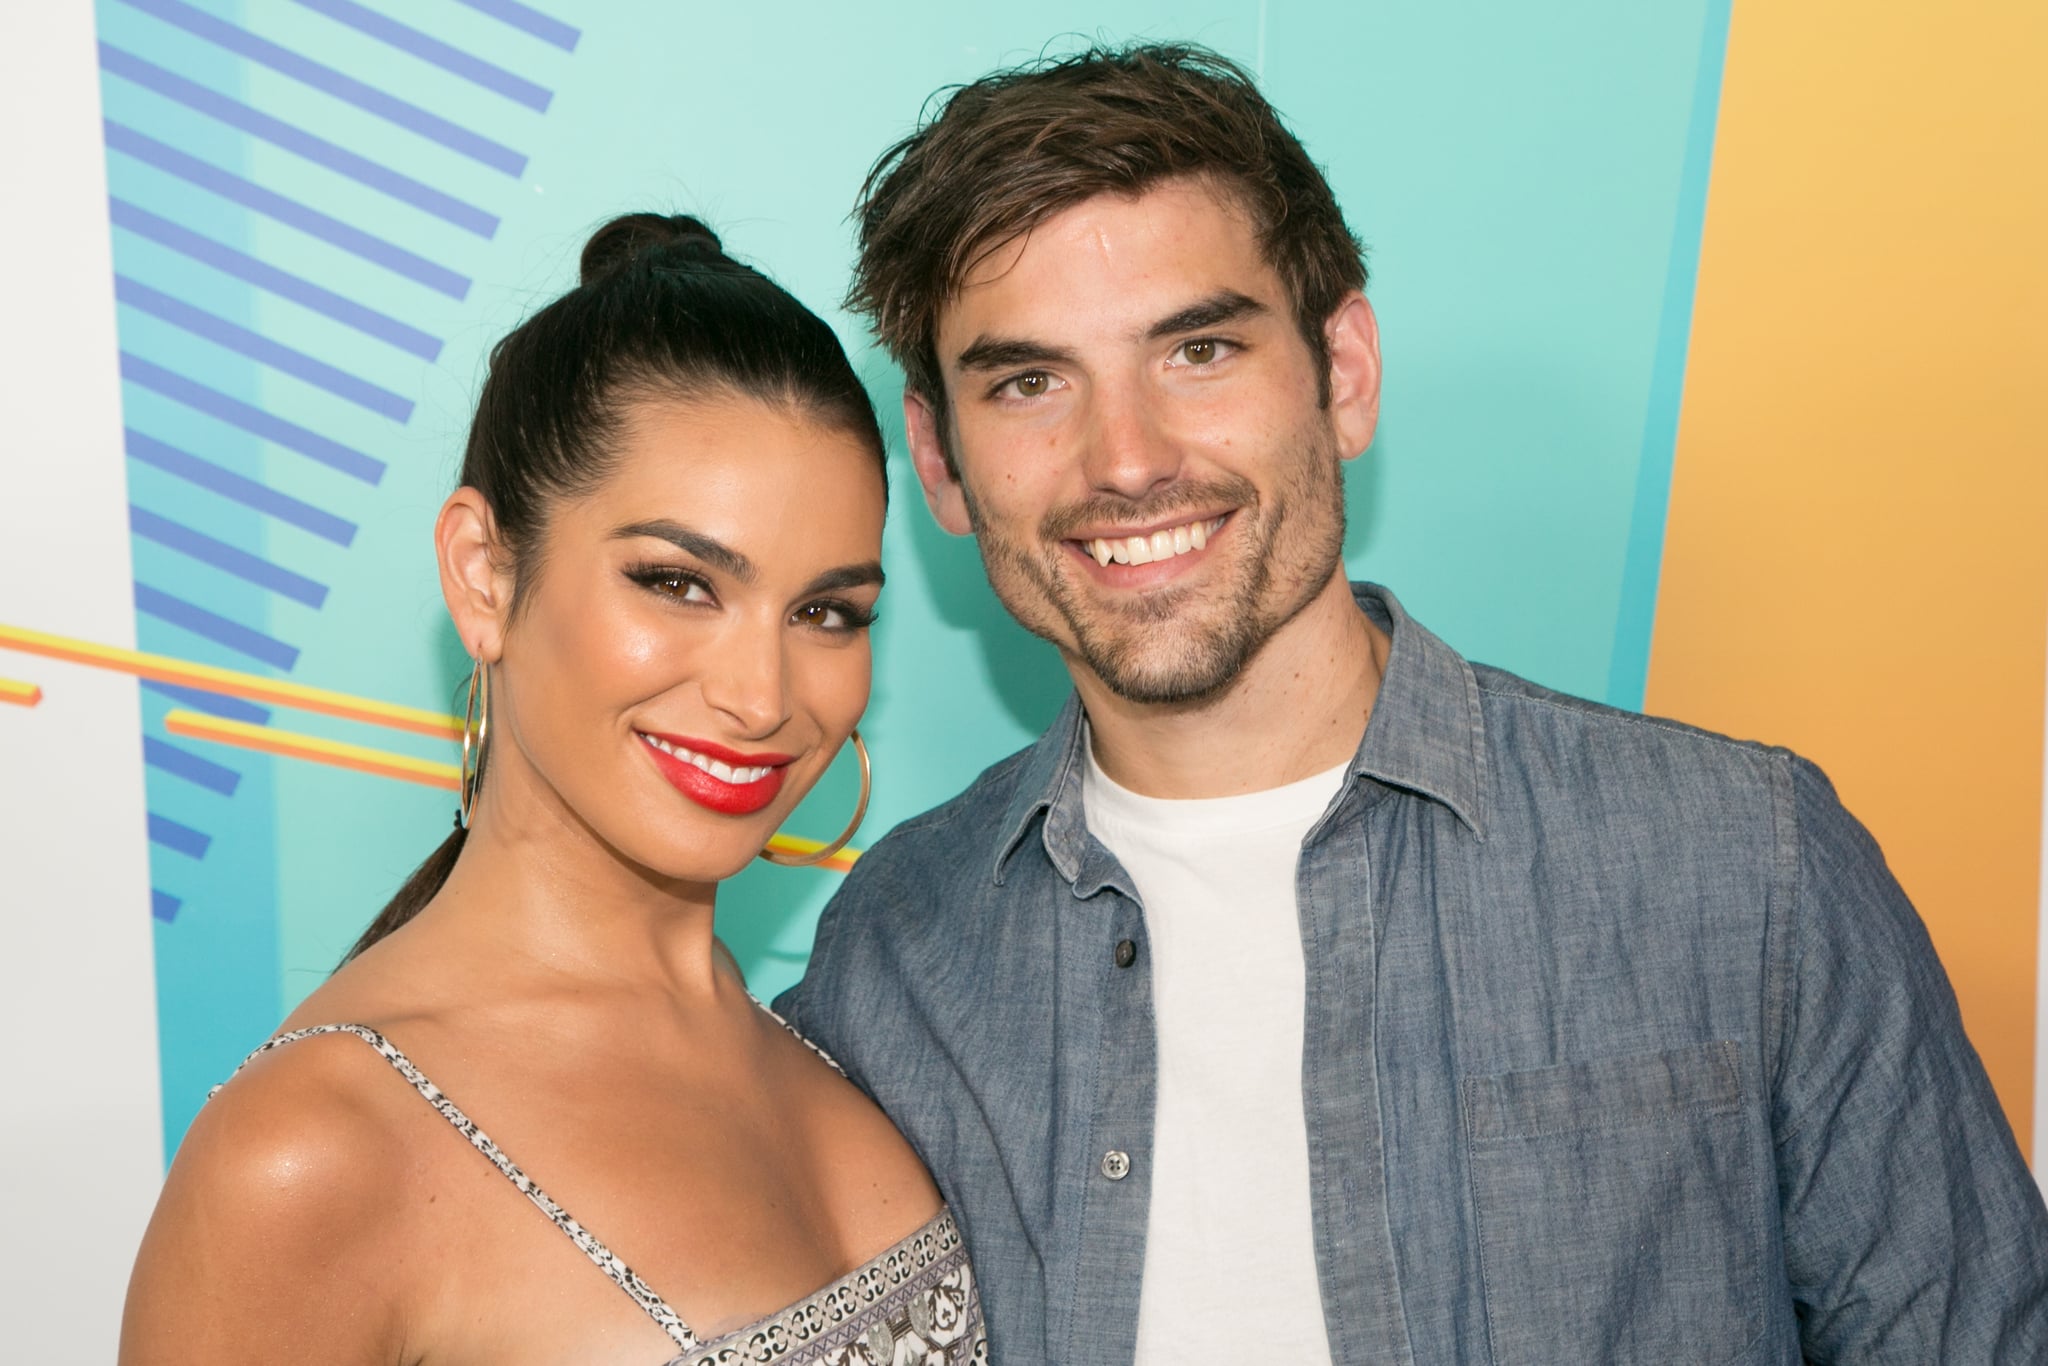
(660, 313)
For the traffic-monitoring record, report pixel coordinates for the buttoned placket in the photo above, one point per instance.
(1355, 1261)
(1106, 931)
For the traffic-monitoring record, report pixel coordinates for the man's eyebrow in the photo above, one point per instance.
(1224, 306)
(847, 576)
(715, 553)
(1009, 353)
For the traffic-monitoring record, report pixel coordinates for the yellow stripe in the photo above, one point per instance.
(252, 687)
(293, 745)
(19, 693)
(383, 763)
(840, 862)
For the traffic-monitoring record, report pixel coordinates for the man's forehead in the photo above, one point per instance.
(1175, 199)
(1174, 242)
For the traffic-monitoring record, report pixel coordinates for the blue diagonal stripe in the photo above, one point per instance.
(262, 349)
(527, 19)
(317, 150)
(163, 905)
(224, 557)
(312, 222)
(255, 421)
(263, 275)
(243, 640)
(326, 79)
(212, 703)
(1628, 670)
(184, 764)
(429, 49)
(183, 838)
(236, 488)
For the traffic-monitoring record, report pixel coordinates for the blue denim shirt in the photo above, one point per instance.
(1622, 1045)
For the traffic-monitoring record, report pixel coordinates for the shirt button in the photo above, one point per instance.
(1116, 1164)
(1126, 953)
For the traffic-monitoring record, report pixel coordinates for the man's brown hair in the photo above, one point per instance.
(1019, 146)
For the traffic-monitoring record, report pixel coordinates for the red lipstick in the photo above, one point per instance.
(739, 789)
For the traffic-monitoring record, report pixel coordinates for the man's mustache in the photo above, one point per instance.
(1186, 495)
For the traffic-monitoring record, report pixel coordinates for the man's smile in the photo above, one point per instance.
(1146, 547)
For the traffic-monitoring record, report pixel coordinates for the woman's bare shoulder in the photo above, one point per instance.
(280, 1222)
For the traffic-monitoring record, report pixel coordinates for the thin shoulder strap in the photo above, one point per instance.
(828, 1059)
(607, 1261)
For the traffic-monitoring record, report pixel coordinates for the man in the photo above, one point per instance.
(1307, 993)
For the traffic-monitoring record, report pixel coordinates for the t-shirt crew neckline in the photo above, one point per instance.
(1292, 803)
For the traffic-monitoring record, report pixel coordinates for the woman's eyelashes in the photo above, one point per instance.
(673, 581)
(831, 616)
(834, 616)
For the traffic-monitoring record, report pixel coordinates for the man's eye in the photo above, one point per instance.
(1037, 384)
(1203, 352)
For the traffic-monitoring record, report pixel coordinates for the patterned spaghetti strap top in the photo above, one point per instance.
(915, 1303)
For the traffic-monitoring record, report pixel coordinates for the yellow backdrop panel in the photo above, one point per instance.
(1856, 560)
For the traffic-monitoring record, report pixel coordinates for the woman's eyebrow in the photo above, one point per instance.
(715, 553)
(847, 576)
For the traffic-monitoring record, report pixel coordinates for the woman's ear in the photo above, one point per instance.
(476, 582)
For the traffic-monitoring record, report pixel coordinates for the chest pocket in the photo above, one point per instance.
(1620, 1220)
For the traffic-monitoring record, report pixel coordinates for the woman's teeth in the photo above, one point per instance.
(1160, 545)
(725, 773)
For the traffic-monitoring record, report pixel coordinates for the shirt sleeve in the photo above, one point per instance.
(1913, 1230)
(820, 1003)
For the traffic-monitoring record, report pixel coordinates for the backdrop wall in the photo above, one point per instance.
(1709, 382)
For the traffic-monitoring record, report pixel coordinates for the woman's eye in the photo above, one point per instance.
(674, 583)
(836, 617)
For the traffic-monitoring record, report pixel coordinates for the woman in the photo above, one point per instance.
(663, 558)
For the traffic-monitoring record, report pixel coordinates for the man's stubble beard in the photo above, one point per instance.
(1126, 649)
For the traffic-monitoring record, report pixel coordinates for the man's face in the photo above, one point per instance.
(1138, 440)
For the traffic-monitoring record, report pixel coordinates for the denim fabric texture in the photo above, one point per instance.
(1622, 1045)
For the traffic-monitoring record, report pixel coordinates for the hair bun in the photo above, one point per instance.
(631, 236)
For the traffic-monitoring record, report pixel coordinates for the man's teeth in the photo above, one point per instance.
(1160, 545)
(724, 772)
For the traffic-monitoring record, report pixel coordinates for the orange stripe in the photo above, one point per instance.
(18, 693)
(1855, 562)
(841, 862)
(292, 745)
(384, 764)
(206, 678)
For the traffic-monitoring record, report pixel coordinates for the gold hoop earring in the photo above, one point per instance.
(860, 809)
(476, 732)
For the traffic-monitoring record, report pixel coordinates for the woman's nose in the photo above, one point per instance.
(748, 682)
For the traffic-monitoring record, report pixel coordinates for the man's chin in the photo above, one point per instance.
(1178, 677)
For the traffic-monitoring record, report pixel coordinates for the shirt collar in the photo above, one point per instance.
(1426, 736)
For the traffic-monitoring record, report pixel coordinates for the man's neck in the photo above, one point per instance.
(1298, 708)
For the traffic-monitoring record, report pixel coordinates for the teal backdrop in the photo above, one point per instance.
(326, 211)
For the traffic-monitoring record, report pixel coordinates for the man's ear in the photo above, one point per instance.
(942, 491)
(1352, 335)
(475, 583)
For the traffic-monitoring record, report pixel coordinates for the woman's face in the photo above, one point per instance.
(694, 647)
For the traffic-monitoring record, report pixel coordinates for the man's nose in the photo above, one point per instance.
(749, 682)
(1129, 451)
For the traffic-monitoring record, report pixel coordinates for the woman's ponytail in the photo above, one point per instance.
(424, 884)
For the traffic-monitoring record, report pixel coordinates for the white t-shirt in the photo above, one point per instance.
(1229, 1239)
